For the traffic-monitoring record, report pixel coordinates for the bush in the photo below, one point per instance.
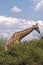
(25, 53)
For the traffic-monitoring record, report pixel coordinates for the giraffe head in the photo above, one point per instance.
(36, 27)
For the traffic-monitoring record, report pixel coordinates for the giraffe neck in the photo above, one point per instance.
(25, 32)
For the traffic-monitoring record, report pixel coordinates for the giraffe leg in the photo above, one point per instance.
(5, 47)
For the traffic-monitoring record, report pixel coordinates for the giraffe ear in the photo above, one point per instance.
(36, 24)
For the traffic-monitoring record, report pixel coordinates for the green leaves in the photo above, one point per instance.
(25, 53)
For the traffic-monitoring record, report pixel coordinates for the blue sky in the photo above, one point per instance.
(27, 9)
(16, 15)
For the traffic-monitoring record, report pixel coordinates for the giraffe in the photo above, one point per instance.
(17, 36)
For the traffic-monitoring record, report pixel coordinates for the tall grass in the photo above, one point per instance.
(23, 53)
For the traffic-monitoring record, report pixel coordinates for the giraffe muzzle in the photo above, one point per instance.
(39, 32)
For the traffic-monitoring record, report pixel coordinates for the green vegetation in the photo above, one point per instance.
(25, 53)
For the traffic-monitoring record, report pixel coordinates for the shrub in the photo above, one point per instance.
(23, 53)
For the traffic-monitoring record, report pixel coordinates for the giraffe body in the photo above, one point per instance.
(17, 36)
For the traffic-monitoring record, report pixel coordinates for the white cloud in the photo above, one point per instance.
(22, 22)
(16, 9)
(4, 35)
(9, 20)
(39, 5)
(13, 23)
(6, 30)
(12, 20)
